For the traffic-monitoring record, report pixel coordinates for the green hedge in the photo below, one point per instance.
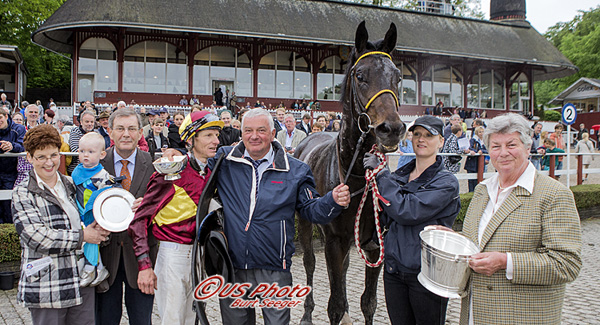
(586, 196)
(9, 242)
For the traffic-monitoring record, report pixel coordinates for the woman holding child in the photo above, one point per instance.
(49, 226)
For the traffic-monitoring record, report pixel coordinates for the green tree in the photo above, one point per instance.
(462, 8)
(579, 41)
(18, 19)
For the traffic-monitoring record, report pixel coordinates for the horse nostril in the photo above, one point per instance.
(383, 128)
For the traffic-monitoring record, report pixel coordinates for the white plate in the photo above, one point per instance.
(112, 209)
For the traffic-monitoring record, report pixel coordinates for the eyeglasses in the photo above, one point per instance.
(43, 159)
(131, 129)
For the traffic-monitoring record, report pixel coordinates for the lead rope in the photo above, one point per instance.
(371, 184)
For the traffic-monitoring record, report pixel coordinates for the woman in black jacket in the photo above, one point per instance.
(420, 193)
(174, 138)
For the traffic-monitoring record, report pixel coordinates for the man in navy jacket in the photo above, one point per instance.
(11, 140)
(261, 187)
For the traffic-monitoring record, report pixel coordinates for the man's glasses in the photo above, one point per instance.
(131, 129)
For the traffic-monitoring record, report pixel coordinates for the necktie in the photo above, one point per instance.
(126, 183)
(256, 163)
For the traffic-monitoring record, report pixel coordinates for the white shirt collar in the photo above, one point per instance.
(41, 183)
(269, 156)
(131, 158)
(526, 181)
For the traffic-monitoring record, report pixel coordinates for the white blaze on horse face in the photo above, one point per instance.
(257, 137)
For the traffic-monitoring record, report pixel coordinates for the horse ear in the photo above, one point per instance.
(389, 42)
(361, 38)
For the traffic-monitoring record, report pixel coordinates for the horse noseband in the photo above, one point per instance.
(383, 91)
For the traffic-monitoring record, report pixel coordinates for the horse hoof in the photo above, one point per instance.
(346, 320)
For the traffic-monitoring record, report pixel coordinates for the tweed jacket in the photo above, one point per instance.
(296, 138)
(541, 230)
(120, 242)
(45, 231)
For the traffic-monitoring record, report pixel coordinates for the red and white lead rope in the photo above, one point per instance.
(371, 184)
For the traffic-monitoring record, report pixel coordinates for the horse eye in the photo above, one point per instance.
(360, 77)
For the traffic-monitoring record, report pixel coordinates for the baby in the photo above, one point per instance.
(90, 179)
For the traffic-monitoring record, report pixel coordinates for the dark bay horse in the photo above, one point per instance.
(369, 97)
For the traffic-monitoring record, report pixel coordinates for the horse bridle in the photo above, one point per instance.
(363, 109)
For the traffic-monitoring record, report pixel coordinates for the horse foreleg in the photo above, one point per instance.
(368, 300)
(336, 255)
(305, 229)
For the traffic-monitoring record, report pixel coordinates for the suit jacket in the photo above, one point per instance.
(301, 127)
(296, 138)
(120, 242)
(541, 230)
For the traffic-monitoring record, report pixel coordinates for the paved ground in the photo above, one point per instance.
(581, 306)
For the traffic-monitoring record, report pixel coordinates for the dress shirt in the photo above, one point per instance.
(270, 156)
(60, 193)
(118, 164)
(288, 138)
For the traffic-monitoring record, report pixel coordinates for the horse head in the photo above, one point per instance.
(372, 81)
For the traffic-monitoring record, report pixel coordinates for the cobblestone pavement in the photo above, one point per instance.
(581, 305)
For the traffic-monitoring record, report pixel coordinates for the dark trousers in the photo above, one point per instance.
(81, 314)
(7, 182)
(408, 302)
(247, 316)
(109, 305)
(472, 184)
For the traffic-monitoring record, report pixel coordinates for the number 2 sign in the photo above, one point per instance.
(569, 114)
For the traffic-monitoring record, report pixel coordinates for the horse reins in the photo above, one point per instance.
(369, 174)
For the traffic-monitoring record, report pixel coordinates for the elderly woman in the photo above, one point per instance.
(421, 193)
(527, 227)
(51, 234)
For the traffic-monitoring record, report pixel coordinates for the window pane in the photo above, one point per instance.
(284, 84)
(87, 65)
(135, 52)
(107, 55)
(175, 55)
(338, 80)
(457, 88)
(244, 82)
(177, 78)
(88, 54)
(325, 80)
(156, 52)
(409, 85)
(473, 92)
(285, 60)
(302, 86)
(133, 76)
(426, 87)
(222, 56)
(267, 62)
(155, 77)
(301, 64)
(514, 95)
(441, 84)
(498, 91)
(486, 89)
(243, 61)
(106, 79)
(266, 83)
(201, 80)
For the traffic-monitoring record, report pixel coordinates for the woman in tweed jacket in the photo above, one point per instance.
(48, 224)
(527, 227)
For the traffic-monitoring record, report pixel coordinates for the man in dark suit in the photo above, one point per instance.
(305, 124)
(125, 159)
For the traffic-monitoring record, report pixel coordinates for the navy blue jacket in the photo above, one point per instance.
(472, 163)
(105, 136)
(14, 134)
(260, 231)
(431, 199)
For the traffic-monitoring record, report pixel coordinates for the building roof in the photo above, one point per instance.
(10, 54)
(314, 21)
(595, 83)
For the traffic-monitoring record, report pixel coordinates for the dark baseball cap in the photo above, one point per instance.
(152, 112)
(432, 124)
